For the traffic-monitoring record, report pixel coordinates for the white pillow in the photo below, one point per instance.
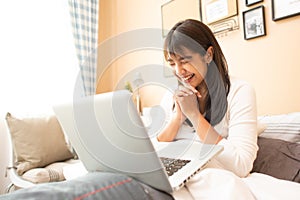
(284, 126)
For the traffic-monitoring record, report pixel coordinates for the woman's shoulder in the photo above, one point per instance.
(236, 81)
(240, 89)
(238, 84)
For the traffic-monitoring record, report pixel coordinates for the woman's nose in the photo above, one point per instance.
(179, 69)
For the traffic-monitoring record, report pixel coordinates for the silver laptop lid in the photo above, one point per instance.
(101, 130)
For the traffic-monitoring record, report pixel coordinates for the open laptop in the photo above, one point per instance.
(108, 134)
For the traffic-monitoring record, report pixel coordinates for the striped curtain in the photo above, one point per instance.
(84, 15)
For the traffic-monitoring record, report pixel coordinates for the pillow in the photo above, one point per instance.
(51, 173)
(37, 142)
(285, 126)
(278, 158)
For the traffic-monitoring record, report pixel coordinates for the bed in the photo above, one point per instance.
(275, 174)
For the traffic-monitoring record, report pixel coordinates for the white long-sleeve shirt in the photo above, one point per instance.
(238, 129)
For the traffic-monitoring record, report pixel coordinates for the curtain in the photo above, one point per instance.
(84, 15)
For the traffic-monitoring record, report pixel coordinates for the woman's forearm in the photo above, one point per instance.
(206, 133)
(169, 133)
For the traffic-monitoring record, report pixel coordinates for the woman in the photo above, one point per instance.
(220, 109)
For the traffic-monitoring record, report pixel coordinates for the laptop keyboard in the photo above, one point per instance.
(172, 165)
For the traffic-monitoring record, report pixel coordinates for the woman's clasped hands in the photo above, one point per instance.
(186, 101)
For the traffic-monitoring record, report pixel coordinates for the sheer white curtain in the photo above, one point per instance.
(38, 59)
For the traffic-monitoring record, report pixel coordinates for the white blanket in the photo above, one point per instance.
(269, 188)
(221, 184)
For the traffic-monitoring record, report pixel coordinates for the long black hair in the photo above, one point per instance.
(197, 37)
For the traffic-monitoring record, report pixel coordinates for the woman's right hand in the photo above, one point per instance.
(178, 114)
(170, 131)
(187, 101)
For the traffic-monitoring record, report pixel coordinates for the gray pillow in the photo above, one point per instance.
(278, 158)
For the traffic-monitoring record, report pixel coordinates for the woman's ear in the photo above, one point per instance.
(209, 54)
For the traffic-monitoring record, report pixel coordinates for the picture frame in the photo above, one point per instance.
(252, 2)
(282, 9)
(254, 23)
(214, 11)
(172, 12)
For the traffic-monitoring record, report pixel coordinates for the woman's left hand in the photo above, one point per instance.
(187, 100)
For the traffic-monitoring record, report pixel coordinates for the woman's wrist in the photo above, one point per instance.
(207, 133)
(195, 118)
(178, 119)
(170, 131)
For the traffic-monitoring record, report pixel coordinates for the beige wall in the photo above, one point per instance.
(269, 63)
(116, 18)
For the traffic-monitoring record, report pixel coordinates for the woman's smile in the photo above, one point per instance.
(188, 78)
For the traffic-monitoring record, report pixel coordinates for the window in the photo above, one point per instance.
(38, 60)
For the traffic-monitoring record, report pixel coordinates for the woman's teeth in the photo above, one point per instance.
(188, 77)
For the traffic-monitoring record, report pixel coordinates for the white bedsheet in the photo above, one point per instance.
(221, 184)
(269, 188)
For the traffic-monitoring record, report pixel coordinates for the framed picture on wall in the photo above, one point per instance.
(217, 10)
(282, 9)
(252, 2)
(254, 23)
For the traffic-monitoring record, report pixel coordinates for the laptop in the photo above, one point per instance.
(108, 135)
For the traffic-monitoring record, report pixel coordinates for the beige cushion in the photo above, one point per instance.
(51, 173)
(37, 141)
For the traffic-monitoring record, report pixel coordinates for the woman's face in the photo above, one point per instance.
(191, 67)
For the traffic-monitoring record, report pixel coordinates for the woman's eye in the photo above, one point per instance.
(184, 62)
(172, 64)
